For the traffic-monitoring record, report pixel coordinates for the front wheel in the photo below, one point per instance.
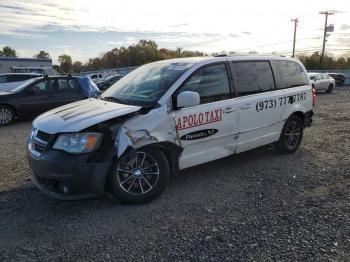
(7, 115)
(291, 135)
(140, 177)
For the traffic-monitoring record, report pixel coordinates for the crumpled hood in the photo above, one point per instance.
(80, 115)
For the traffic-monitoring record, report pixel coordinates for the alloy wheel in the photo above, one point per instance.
(292, 134)
(138, 176)
(5, 116)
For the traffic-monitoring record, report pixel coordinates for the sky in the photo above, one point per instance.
(87, 28)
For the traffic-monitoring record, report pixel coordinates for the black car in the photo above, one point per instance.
(38, 95)
(339, 78)
(109, 81)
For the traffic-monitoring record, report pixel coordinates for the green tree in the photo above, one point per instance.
(77, 67)
(65, 62)
(42, 54)
(8, 52)
(57, 68)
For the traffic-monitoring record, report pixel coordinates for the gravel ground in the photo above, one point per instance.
(256, 206)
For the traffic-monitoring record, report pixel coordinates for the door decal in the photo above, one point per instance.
(199, 134)
(198, 119)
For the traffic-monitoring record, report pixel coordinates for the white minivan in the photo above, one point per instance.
(167, 116)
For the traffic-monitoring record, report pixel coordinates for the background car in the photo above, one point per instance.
(12, 80)
(97, 78)
(339, 78)
(109, 81)
(38, 95)
(322, 82)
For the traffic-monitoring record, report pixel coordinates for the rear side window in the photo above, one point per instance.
(210, 82)
(67, 85)
(290, 74)
(252, 77)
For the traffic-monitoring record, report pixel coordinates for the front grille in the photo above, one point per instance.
(43, 136)
(40, 141)
(38, 147)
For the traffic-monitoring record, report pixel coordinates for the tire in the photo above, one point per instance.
(7, 115)
(293, 127)
(330, 89)
(129, 182)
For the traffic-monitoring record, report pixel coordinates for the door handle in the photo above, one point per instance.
(245, 107)
(229, 109)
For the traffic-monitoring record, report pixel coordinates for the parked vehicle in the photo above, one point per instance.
(167, 116)
(109, 81)
(97, 78)
(339, 78)
(12, 80)
(38, 95)
(322, 82)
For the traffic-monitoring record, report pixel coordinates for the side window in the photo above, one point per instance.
(66, 85)
(3, 79)
(210, 82)
(290, 74)
(42, 87)
(13, 78)
(318, 77)
(252, 77)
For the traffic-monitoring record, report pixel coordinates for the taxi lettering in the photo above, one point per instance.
(198, 119)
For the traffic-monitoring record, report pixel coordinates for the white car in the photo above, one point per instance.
(97, 77)
(322, 82)
(167, 116)
(10, 81)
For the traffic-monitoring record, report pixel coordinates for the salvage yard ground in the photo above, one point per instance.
(258, 205)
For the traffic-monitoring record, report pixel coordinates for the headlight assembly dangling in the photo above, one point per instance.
(78, 143)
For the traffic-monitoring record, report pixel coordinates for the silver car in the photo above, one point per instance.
(322, 82)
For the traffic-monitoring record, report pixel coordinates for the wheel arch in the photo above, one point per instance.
(171, 151)
(10, 106)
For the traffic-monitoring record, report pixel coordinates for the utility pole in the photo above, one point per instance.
(296, 20)
(326, 13)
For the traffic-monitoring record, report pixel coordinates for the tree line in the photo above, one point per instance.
(146, 51)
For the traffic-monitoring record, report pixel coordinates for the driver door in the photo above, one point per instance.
(207, 131)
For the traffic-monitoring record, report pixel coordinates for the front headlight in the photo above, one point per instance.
(78, 143)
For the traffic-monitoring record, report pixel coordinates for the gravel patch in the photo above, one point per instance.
(255, 206)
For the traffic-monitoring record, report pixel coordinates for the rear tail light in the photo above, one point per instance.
(313, 96)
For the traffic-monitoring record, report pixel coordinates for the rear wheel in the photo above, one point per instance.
(330, 88)
(141, 177)
(291, 136)
(7, 115)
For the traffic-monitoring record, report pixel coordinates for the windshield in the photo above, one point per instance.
(146, 84)
(23, 85)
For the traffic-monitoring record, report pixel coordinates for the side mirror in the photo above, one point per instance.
(30, 91)
(188, 99)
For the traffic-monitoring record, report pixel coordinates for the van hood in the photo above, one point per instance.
(77, 116)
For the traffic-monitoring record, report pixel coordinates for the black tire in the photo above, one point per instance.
(7, 115)
(330, 89)
(285, 145)
(140, 191)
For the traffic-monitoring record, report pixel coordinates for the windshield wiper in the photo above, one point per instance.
(117, 100)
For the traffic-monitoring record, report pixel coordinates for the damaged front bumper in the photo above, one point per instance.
(65, 176)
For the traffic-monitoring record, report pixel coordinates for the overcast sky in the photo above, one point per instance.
(87, 28)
